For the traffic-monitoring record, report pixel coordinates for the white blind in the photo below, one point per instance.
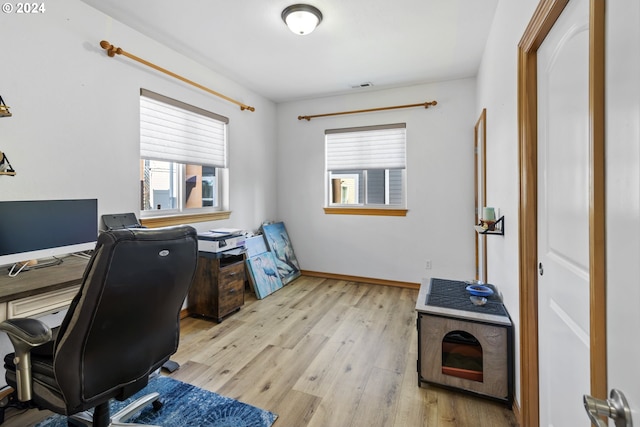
(372, 147)
(174, 131)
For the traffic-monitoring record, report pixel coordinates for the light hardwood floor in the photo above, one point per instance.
(323, 353)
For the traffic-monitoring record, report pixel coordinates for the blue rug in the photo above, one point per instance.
(185, 405)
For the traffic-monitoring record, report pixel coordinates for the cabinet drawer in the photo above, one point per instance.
(46, 303)
(231, 288)
(231, 273)
(231, 297)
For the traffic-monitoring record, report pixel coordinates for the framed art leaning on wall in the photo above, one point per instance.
(280, 245)
(264, 274)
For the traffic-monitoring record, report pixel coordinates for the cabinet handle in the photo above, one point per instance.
(232, 291)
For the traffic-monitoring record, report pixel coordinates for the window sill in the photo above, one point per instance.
(164, 221)
(366, 211)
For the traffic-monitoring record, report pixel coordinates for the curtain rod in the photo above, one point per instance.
(112, 51)
(368, 110)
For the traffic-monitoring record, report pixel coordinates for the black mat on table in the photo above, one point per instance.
(453, 294)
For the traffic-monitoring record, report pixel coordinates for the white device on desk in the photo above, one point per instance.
(212, 241)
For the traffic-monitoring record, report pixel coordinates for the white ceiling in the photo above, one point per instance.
(389, 43)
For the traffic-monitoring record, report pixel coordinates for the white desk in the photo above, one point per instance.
(44, 293)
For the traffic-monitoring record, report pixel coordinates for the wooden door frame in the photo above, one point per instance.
(480, 168)
(539, 26)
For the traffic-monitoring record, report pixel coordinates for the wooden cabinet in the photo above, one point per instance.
(218, 287)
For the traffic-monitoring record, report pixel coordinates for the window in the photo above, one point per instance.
(365, 167)
(183, 153)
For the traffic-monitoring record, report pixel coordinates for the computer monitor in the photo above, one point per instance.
(39, 229)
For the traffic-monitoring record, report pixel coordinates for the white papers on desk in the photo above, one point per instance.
(226, 231)
(237, 251)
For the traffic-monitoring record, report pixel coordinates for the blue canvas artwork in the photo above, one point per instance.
(280, 245)
(255, 245)
(264, 274)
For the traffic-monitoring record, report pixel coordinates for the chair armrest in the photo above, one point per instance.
(25, 334)
(30, 332)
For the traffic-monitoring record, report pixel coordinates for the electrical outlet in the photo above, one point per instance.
(428, 264)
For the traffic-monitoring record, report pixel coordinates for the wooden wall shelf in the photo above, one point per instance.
(498, 228)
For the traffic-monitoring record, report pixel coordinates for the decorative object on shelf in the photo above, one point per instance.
(491, 227)
(488, 214)
(488, 224)
(301, 19)
(479, 301)
(5, 166)
(479, 290)
(488, 219)
(4, 109)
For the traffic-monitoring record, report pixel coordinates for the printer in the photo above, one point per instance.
(215, 242)
(120, 221)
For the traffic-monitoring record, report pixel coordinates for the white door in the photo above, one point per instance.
(623, 199)
(563, 218)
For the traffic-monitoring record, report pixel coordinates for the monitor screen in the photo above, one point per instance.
(45, 228)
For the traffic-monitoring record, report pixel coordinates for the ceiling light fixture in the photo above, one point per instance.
(301, 18)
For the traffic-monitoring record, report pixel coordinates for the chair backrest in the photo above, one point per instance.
(124, 322)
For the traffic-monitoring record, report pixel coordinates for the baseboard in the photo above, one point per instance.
(408, 285)
(394, 283)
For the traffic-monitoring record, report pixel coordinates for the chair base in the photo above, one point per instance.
(86, 419)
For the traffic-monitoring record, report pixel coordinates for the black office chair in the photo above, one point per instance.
(121, 327)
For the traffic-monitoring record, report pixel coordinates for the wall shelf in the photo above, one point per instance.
(5, 166)
(4, 109)
(497, 229)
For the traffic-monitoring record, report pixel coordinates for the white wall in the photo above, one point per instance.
(497, 92)
(439, 224)
(75, 126)
(623, 196)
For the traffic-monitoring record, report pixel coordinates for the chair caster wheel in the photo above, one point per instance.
(157, 404)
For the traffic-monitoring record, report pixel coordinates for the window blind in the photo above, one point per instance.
(372, 147)
(171, 130)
